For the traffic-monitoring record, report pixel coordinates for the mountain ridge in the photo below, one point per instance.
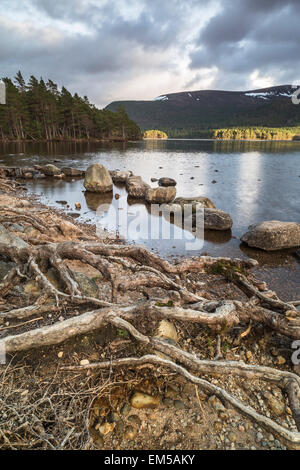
(195, 111)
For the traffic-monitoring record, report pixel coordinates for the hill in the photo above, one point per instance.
(200, 113)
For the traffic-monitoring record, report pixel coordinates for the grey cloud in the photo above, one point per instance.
(248, 35)
(101, 45)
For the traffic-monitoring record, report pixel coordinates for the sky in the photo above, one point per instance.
(139, 49)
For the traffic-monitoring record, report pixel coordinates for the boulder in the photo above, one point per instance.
(273, 235)
(50, 170)
(160, 195)
(166, 182)
(97, 179)
(215, 219)
(136, 187)
(73, 172)
(10, 239)
(121, 176)
(201, 201)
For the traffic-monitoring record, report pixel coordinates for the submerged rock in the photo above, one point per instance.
(97, 179)
(161, 195)
(121, 176)
(273, 235)
(50, 170)
(136, 187)
(166, 182)
(195, 201)
(214, 219)
(74, 172)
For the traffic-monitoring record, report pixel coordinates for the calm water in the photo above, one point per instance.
(255, 181)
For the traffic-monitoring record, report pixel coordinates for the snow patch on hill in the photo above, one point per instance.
(161, 98)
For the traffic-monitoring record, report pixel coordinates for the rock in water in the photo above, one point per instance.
(214, 219)
(161, 195)
(121, 176)
(195, 201)
(273, 235)
(72, 172)
(50, 170)
(97, 179)
(166, 182)
(136, 187)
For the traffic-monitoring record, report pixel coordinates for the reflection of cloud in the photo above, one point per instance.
(248, 189)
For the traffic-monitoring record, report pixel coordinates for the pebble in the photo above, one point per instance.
(84, 362)
(280, 360)
(259, 437)
(60, 354)
(216, 403)
(179, 405)
(142, 400)
(130, 433)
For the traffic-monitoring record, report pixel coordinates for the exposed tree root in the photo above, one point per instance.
(290, 438)
(132, 269)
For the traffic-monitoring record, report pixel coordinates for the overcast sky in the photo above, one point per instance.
(139, 49)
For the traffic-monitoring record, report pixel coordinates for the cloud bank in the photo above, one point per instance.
(138, 49)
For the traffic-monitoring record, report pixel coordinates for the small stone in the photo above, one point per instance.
(179, 405)
(259, 437)
(106, 428)
(60, 354)
(280, 360)
(130, 433)
(232, 437)
(84, 362)
(218, 426)
(249, 355)
(142, 400)
(275, 405)
(77, 205)
(216, 403)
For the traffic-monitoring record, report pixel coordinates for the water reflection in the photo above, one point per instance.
(253, 181)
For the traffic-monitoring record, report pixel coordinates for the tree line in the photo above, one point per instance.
(39, 110)
(235, 133)
(155, 134)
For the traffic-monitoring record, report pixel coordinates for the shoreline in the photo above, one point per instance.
(70, 337)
